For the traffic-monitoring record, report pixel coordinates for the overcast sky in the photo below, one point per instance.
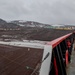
(45, 11)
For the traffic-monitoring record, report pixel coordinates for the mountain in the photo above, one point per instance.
(2, 22)
(20, 24)
(5, 25)
(23, 24)
(29, 23)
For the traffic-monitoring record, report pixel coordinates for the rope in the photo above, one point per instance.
(38, 66)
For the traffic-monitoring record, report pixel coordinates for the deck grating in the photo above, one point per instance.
(13, 60)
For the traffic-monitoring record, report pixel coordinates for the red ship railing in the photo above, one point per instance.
(57, 41)
(60, 55)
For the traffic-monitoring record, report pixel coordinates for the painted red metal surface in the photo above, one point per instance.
(55, 42)
(66, 57)
(55, 66)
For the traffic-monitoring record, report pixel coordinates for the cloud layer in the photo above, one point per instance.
(45, 11)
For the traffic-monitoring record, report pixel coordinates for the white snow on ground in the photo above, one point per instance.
(57, 25)
(31, 44)
(35, 41)
(22, 21)
(21, 24)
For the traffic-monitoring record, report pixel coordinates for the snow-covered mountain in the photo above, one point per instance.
(29, 23)
(18, 24)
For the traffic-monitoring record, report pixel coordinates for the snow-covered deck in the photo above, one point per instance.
(26, 43)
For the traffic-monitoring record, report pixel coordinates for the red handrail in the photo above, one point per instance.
(55, 42)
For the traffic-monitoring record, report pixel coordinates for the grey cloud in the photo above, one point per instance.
(12, 9)
(46, 11)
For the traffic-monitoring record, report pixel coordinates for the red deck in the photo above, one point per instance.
(13, 60)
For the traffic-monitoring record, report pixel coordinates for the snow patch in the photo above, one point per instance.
(30, 44)
(22, 21)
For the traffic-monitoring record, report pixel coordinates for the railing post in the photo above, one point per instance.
(45, 66)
